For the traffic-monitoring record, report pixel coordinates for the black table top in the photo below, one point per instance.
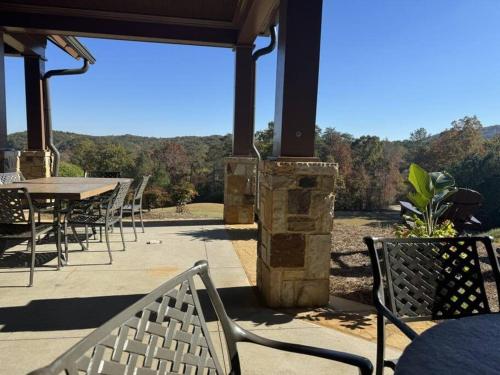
(463, 346)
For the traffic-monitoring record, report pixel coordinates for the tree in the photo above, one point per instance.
(173, 159)
(85, 155)
(462, 140)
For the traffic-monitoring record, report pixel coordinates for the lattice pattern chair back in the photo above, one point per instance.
(140, 189)
(119, 196)
(12, 204)
(10, 177)
(435, 278)
(163, 333)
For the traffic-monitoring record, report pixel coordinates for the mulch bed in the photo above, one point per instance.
(351, 275)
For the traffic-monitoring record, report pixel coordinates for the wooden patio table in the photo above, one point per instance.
(65, 189)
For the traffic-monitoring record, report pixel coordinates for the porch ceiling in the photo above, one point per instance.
(209, 22)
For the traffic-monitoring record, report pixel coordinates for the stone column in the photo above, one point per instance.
(239, 190)
(35, 163)
(296, 217)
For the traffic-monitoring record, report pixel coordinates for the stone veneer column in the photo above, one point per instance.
(35, 163)
(296, 205)
(239, 190)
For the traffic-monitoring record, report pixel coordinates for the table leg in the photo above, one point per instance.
(61, 261)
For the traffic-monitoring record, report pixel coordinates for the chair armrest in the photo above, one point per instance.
(363, 364)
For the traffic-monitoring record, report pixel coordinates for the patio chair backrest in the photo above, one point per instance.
(119, 196)
(12, 205)
(139, 191)
(425, 278)
(10, 177)
(104, 174)
(164, 332)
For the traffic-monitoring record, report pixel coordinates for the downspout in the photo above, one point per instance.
(255, 56)
(47, 108)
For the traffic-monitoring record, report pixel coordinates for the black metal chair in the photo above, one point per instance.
(14, 225)
(113, 213)
(165, 333)
(10, 177)
(427, 279)
(104, 174)
(135, 205)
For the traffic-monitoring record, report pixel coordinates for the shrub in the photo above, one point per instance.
(155, 198)
(430, 191)
(418, 228)
(70, 170)
(182, 194)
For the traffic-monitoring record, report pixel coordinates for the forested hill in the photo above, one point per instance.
(491, 131)
(65, 141)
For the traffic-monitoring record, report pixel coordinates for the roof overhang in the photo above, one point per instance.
(222, 23)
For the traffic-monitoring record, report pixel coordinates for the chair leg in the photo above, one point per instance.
(76, 237)
(65, 234)
(121, 233)
(87, 236)
(133, 226)
(106, 234)
(32, 268)
(380, 345)
(142, 221)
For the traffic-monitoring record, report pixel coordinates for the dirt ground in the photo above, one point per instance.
(350, 264)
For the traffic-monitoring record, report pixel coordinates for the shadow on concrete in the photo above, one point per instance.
(91, 312)
(174, 223)
(21, 259)
(234, 234)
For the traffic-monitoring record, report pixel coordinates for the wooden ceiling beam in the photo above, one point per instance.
(13, 20)
(259, 16)
(26, 44)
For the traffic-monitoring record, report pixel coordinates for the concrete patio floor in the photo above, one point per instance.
(39, 323)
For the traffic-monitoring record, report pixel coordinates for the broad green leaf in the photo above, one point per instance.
(420, 180)
(442, 180)
(418, 200)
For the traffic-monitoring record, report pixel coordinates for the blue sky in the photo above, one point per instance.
(387, 68)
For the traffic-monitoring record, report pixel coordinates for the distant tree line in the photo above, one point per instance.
(371, 170)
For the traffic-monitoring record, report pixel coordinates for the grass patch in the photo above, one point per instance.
(193, 211)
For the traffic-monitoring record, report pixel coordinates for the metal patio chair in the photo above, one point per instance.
(105, 218)
(10, 177)
(41, 206)
(417, 279)
(14, 225)
(135, 205)
(104, 174)
(165, 333)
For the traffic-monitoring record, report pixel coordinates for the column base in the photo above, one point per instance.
(296, 218)
(35, 163)
(239, 190)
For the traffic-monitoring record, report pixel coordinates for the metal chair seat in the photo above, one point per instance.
(18, 231)
(96, 220)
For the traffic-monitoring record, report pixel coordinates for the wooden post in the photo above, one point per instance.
(34, 68)
(3, 101)
(243, 101)
(297, 78)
